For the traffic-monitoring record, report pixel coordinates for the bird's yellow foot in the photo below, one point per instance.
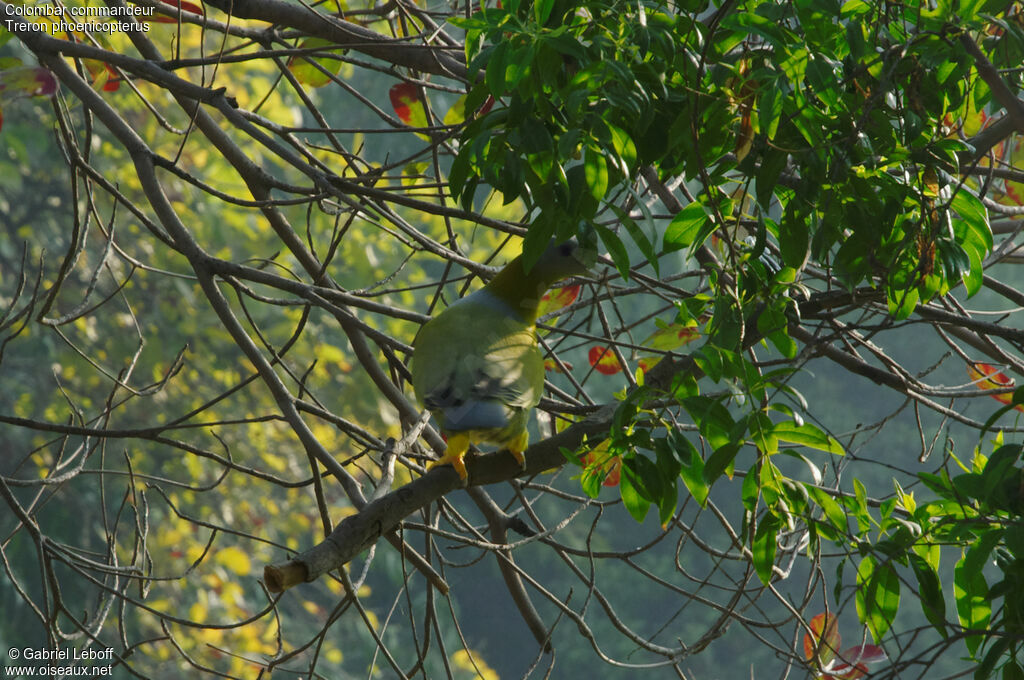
(518, 446)
(458, 444)
(520, 457)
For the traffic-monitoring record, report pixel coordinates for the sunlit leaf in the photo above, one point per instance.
(26, 81)
(557, 298)
(671, 337)
(104, 77)
(604, 463)
(853, 663)
(988, 377)
(823, 641)
(807, 435)
(314, 71)
(685, 227)
(878, 595)
(552, 366)
(603, 360)
(407, 105)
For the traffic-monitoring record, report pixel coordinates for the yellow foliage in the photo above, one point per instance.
(326, 434)
(273, 460)
(343, 511)
(161, 605)
(171, 537)
(197, 612)
(472, 662)
(331, 354)
(193, 552)
(23, 405)
(234, 560)
(270, 631)
(372, 619)
(210, 636)
(214, 580)
(232, 593)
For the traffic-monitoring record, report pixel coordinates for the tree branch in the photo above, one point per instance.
(398, 52)
(357, 532)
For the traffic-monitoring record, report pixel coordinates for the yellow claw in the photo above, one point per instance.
(518, 445)
(458, 444)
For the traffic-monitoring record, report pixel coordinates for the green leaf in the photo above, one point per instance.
(616, 248)
(720, 461)
(764, 548)
(750, 492)
(647, 477)
(995, 651)
(712, 418)
(902, 301)
(878, 595)
(970, 590)
(591, 480)
(595, 169)
(316, 71)
(494, 76)
(998, 469)
(761, 433)
(684, 227)
(692, 466)
(930, 592)
(542, 10)
(457, 113)
(668, 501)
(794, 241)
(570, 455)
(975, 217)
(639, 237)
(1013, 671)
(786, 345)
(635, 504)
(807, 435)
(974, 277)
(749, 21)
(770, 112)
(834, 511)
(625, 150)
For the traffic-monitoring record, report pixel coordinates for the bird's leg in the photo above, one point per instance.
(458, 444)
(518, 445)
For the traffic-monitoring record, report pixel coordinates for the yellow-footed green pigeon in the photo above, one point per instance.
(477, 367)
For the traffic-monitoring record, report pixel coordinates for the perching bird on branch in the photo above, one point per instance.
(477, 367)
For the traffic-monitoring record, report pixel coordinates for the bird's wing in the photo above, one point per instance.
(476, 352)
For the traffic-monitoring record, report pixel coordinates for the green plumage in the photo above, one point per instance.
(477, 366)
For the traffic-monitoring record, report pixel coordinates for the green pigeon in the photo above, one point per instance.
(477, 367)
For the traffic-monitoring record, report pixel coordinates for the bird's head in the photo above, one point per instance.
(561, 260)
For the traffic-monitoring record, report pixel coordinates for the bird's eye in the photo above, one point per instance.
(565, 250)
